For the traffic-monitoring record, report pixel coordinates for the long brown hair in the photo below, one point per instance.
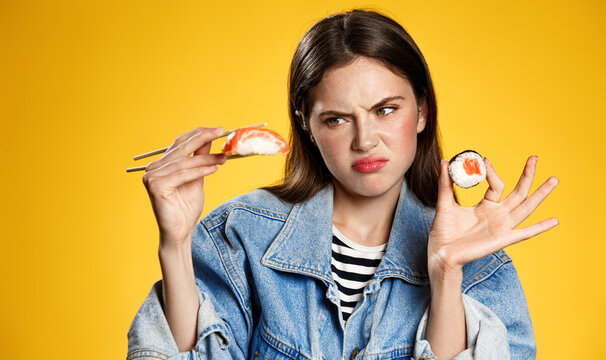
(336, 41)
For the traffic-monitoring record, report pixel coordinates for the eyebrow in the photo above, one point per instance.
(379, 104)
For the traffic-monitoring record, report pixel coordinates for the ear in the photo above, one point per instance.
(301, 120)
(422, 116)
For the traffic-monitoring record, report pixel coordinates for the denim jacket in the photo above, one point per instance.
(266, 291)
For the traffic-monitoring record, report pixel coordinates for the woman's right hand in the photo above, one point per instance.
(175, 184)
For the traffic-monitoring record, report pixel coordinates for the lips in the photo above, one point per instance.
(369, 164)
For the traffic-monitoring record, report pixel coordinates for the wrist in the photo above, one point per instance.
(445, 286)
(443, 265)
(173, 256)
(172, 243)
(446, 282)
(174, 248)
(444, 272)
(445, 279)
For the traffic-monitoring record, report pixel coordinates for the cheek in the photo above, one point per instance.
(333, 153)
(329, 149)
(404, 135)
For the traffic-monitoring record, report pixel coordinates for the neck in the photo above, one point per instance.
(365, 220)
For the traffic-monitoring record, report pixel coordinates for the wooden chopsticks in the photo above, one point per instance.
(160, 151)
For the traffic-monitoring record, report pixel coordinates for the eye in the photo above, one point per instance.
(334, 121)
(385, 110)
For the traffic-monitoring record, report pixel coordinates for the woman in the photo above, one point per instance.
(270, 275)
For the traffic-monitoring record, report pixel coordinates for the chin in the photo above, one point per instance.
(371, 189)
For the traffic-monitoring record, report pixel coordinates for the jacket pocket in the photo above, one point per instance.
(266, 346)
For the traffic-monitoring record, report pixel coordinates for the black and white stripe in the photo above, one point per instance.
(353, 266)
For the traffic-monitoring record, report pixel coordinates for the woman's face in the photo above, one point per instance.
(364, 119)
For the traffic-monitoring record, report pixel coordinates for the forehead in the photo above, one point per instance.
(360, 83)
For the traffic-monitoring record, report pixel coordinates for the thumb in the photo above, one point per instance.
(445, 192)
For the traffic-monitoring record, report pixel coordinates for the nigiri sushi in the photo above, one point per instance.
(467, 169)
(254, 141)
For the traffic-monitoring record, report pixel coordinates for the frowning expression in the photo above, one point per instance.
(365, 119)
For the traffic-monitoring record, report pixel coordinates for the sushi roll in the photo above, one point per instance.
(467, 169)
(254, 141)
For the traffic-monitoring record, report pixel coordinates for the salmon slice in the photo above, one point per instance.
(250, 141)
(471, 167)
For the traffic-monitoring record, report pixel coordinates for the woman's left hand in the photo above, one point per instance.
(461, 234)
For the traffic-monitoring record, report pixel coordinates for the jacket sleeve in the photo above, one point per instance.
(224, 317)
(497, 320)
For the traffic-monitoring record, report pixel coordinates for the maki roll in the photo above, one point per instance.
(467, 169)
(254, 141)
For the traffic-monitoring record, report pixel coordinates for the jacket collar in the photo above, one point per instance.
(304, 243)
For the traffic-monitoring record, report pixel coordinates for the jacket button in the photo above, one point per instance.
(354, 353)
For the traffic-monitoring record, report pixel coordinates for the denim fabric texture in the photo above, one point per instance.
(266, 291)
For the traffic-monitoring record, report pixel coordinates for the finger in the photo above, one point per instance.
(204, 149)
(532, 230)
(195, 142)
(189, 135)
(496, 186)
(522, 188)
(185, 136)
(523, 210)
(178, 178)
(445, 192)
(187, 162)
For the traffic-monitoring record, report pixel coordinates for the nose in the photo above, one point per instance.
(366, 137)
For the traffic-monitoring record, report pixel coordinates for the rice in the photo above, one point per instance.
(467, 169)
(257, 145)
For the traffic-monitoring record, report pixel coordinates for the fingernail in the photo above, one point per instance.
(219, 129)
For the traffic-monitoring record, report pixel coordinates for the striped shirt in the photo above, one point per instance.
(353, 265)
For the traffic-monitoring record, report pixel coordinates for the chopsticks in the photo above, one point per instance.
(160, 151)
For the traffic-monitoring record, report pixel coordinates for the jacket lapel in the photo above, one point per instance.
(406, 253)
(304, 243)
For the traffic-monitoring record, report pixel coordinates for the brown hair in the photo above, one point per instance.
(336, 41)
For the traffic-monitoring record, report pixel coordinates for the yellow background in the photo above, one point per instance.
(84, 86)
